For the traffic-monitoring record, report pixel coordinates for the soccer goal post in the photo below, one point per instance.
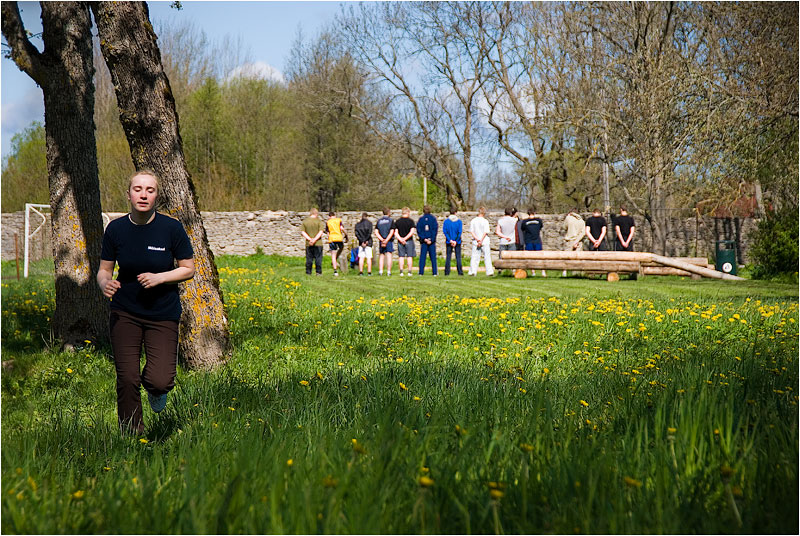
(38, 210)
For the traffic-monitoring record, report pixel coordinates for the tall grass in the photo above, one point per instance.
(421, 405)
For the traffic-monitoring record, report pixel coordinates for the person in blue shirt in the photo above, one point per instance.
(427, 228)
(452, 229)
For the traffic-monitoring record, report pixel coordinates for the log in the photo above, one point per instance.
(699, 270)
(698, 261)
(628, 256)
(555, 264)
(664, 270)
(644, 257)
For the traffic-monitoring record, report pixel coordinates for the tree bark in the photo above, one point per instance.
(148, 116)
(64, 71)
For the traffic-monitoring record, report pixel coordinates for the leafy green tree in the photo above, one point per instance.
(25, 169)
(774, 250)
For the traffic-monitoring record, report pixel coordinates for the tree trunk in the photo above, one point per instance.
(64, 71)
(147, 112)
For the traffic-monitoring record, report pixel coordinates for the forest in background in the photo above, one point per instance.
(494, 103)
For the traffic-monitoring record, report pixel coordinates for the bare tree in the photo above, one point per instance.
(422, 57)
(524, 88)
(648, 96)
(148, 116)
(64, 72)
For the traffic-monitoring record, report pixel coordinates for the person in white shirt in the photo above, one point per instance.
(479, 229)
(506, 231)
(575, 231)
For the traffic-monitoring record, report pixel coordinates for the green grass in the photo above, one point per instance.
(558, 405)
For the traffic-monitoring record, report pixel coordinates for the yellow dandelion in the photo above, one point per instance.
(546, 370)
(69, 371)
(726, 471)
(143, 440)
(584, 403)
(304, 382)
(425, 481)
(290, 462)
(672, 430)
(78, 495)
(403, 386)
(632, 482)
(357, 447)
(496, 494)
(527, 447)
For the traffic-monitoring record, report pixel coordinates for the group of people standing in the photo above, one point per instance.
(514, 232)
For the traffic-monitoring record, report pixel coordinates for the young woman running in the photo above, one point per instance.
(154, 254)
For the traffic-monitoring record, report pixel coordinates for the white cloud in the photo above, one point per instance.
(257, 70)
(17, 114)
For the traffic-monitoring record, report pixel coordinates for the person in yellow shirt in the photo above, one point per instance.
(336, 239)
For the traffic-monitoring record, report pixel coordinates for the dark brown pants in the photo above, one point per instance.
(160, 339)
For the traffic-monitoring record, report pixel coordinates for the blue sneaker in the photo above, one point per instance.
(157, 403)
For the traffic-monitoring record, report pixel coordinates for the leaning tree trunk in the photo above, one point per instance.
(147, 112)
(64, 71)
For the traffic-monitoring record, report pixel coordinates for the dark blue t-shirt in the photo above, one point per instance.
(385, 226)
(138, 249)
(532, 227)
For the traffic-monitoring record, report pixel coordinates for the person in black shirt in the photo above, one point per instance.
(531, 231)
(404, 231)
(625, 229)
(364, 237)
(154, 253)
(596, 231)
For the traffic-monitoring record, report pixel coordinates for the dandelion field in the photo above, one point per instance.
(422, 405)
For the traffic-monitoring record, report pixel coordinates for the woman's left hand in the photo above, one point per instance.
(148, 280)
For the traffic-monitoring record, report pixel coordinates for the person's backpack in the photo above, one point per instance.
(353, 257)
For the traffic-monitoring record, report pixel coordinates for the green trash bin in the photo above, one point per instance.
(726, 256)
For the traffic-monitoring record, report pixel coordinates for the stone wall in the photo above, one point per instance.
(278, 233)
(40, 246)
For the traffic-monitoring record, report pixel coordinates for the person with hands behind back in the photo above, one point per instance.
(479, 230)
(154, 253)
(427, 229)
(312, 229)
(596, 231)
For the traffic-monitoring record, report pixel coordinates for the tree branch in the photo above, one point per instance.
(23, 53)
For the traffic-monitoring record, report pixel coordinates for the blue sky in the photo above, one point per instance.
(267, 31)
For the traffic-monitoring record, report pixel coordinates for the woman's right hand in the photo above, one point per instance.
(111, 287)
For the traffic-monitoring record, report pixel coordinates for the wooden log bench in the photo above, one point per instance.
(610, 262)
